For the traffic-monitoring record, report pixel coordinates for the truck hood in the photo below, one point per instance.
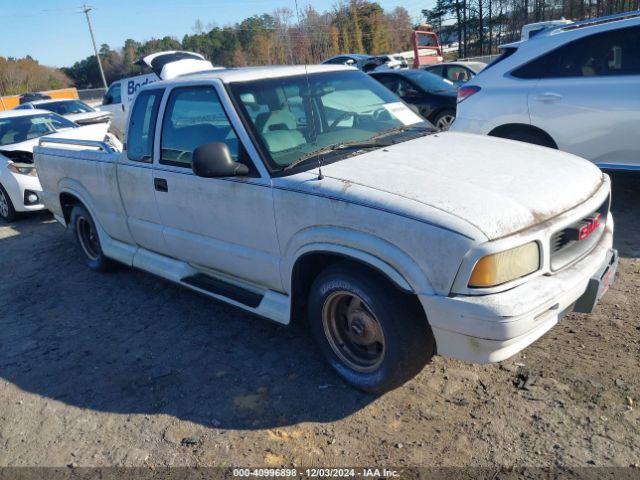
(498, 186)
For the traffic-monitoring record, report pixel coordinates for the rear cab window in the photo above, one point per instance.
(142, 125)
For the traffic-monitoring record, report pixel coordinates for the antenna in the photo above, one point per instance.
(313, 120)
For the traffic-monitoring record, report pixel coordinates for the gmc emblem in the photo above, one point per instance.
(589, 225)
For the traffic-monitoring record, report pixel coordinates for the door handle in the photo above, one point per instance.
(549, 97)
(160, 184)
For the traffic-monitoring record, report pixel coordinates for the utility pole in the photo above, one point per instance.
(86, 9)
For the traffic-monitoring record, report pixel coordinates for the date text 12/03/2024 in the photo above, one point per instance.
(316, 472)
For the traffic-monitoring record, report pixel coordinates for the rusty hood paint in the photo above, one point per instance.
(498, 186)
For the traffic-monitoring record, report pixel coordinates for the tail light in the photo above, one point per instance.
(466, 92)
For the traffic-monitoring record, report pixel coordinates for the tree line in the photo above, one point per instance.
(480, 26)
(20, 75)
(281, 37)
(287, 36)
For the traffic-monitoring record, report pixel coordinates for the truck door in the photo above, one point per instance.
(587, 96)
(135, 173)
(223, 224)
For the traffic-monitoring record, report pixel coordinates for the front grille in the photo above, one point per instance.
(573, 241)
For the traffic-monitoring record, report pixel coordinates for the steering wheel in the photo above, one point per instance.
(341, 117)
(183, 154)
(381, 114)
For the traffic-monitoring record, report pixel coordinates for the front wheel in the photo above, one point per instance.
(7, 212)
(375, 337)
(84, 230)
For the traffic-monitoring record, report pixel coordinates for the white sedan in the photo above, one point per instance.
(75, 110)
(20, 131)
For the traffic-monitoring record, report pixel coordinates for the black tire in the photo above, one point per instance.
(446, 118)
(7, 212)
(529, 137)
(84, 230)
(407, 338)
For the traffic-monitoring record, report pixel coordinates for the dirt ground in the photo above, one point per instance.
(127, 369)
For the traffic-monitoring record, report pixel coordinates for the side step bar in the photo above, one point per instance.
(224, 289)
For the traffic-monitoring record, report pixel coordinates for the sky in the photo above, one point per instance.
(55, 32)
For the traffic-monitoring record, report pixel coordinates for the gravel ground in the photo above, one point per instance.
(127, 369)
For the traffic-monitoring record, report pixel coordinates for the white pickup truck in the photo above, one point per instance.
(316, 192)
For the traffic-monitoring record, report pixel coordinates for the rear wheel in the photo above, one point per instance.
(375, 337)
(84, 229)
(444, 120)
(7, 212)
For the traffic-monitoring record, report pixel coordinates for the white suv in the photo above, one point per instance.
(574, 87)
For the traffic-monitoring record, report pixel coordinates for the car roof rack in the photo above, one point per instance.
(600, 20)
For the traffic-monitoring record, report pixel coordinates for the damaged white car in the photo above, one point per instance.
(20, 131)
(263, 188)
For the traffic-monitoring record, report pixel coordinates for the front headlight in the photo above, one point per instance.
(502, 267)
(23, 169)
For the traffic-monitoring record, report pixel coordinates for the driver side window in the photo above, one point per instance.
(114, 94)
(405, 88)
(194, 116)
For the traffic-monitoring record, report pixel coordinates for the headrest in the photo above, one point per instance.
(274, 99)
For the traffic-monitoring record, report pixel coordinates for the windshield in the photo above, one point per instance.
(66, 107)
(295, 116)
(20, 129)
(431, 82)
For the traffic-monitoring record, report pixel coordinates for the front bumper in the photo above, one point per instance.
(17, 185)
(492, 328)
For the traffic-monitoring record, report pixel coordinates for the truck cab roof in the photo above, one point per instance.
(229, 75)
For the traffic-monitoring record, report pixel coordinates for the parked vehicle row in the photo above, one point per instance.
(316, 192)
(75, 110)
(572, 86)
(456, 72)
(368, 63)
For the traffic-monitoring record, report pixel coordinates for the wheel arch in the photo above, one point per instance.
(68, 200)
(503, 130)
(311, 263)
(314, 249)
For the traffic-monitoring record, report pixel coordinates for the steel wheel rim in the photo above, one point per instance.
(4, 205)
(353, 331)
(88, 238)
(444, 123)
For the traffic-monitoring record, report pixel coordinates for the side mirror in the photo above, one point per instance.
(107, 100)
(214, 160)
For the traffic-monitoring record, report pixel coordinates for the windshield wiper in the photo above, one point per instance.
(335, 147)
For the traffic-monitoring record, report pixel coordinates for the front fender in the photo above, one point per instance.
(381, 255)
